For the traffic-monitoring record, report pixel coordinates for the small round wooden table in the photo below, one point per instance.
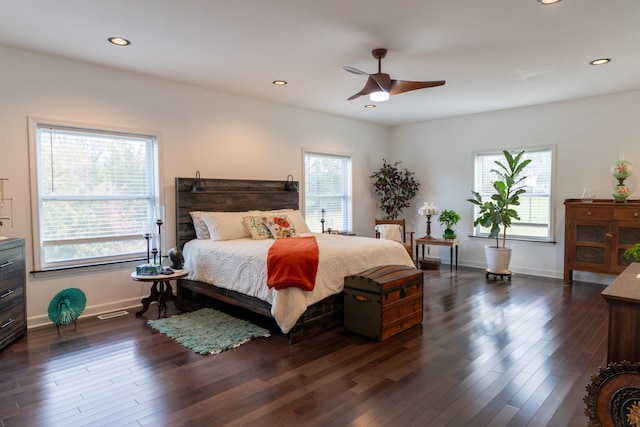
(161, 291)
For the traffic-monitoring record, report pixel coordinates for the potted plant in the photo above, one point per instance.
(633, 252)
(449, 218)
(498, 212)
(395, 188)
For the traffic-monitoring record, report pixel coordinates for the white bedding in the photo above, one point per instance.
(240, 265)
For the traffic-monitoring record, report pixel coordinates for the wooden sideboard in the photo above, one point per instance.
(597, 234)
(623, 298)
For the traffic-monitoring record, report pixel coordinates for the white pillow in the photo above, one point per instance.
(298, 221)
(389, 232)
(275, 211)
(226, 225)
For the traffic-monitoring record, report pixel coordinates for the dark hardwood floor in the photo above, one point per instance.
(489, 353)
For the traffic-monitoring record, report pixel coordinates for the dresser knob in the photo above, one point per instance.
(635, 214)
(589, 213)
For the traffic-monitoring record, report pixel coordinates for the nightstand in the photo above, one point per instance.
(439, 242)
(161, 291)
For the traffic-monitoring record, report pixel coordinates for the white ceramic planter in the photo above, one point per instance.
(498, 259)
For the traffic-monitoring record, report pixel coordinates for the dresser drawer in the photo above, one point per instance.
(581, 213)
(11, 265)
(627, 213)
(12, 323)
(11, 296)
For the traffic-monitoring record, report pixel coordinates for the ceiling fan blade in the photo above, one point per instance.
(370, 86)
(401, 86)
(354, 71)
(383, 80)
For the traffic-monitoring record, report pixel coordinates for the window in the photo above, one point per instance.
(94, 194)
(535, 203)
(327, 187)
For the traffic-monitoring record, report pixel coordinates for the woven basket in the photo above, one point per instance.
(429, 263)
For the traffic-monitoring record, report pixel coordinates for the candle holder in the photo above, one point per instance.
(147, 237)
(159, 222)
(4, 216)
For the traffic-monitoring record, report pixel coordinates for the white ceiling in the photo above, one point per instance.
(493, 54)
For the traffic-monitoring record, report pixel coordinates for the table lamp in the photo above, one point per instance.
(427, 210)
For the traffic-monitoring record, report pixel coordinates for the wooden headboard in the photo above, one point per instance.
(228, 195)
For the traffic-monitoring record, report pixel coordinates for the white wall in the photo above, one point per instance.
(589, 134)
(226, 136)
(222, 135)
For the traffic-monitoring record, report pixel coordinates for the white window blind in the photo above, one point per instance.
(96, 195)
(327, 186)
(535, 204)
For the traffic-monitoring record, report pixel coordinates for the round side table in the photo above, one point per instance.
(161, 291)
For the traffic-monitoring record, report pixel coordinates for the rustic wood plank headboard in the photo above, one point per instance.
(228, 195)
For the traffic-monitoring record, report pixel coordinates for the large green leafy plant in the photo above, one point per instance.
(633, 252)
(395, 187)
(497, 213)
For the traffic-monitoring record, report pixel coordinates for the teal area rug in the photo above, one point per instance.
(208, 331)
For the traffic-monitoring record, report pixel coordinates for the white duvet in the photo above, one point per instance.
(241, 265)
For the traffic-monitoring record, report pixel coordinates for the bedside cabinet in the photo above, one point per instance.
(13, 321)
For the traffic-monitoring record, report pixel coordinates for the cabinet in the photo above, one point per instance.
(597, 234)
(13, 322)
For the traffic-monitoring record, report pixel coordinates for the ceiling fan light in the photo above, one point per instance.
(379, 96)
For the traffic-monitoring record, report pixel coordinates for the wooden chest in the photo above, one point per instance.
(383, 301)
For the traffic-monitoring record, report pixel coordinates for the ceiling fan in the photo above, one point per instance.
(380, 85)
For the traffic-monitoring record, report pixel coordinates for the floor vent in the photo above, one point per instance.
(113, 314)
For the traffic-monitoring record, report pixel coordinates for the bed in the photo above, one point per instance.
(209, 262)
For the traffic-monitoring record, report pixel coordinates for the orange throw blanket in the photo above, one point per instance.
(293, 262)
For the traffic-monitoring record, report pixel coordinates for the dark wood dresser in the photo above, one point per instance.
(13, 321)
(597, 234)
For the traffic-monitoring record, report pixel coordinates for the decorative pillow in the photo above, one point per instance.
(257, 228)
(226, 225)
(202, 232)
(389, 232)
(280, 226)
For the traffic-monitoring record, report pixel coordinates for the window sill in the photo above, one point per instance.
(516, 239)
(84, 267)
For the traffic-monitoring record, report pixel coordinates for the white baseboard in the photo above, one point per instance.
(89, 311)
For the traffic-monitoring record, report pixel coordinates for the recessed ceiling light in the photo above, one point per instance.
(548, 1)
(279, 82)
(600, 61)
(369, 106)
(119, 41)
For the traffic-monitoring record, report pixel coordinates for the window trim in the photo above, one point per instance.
(33, 123)
(510, 236)
(349, 195)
